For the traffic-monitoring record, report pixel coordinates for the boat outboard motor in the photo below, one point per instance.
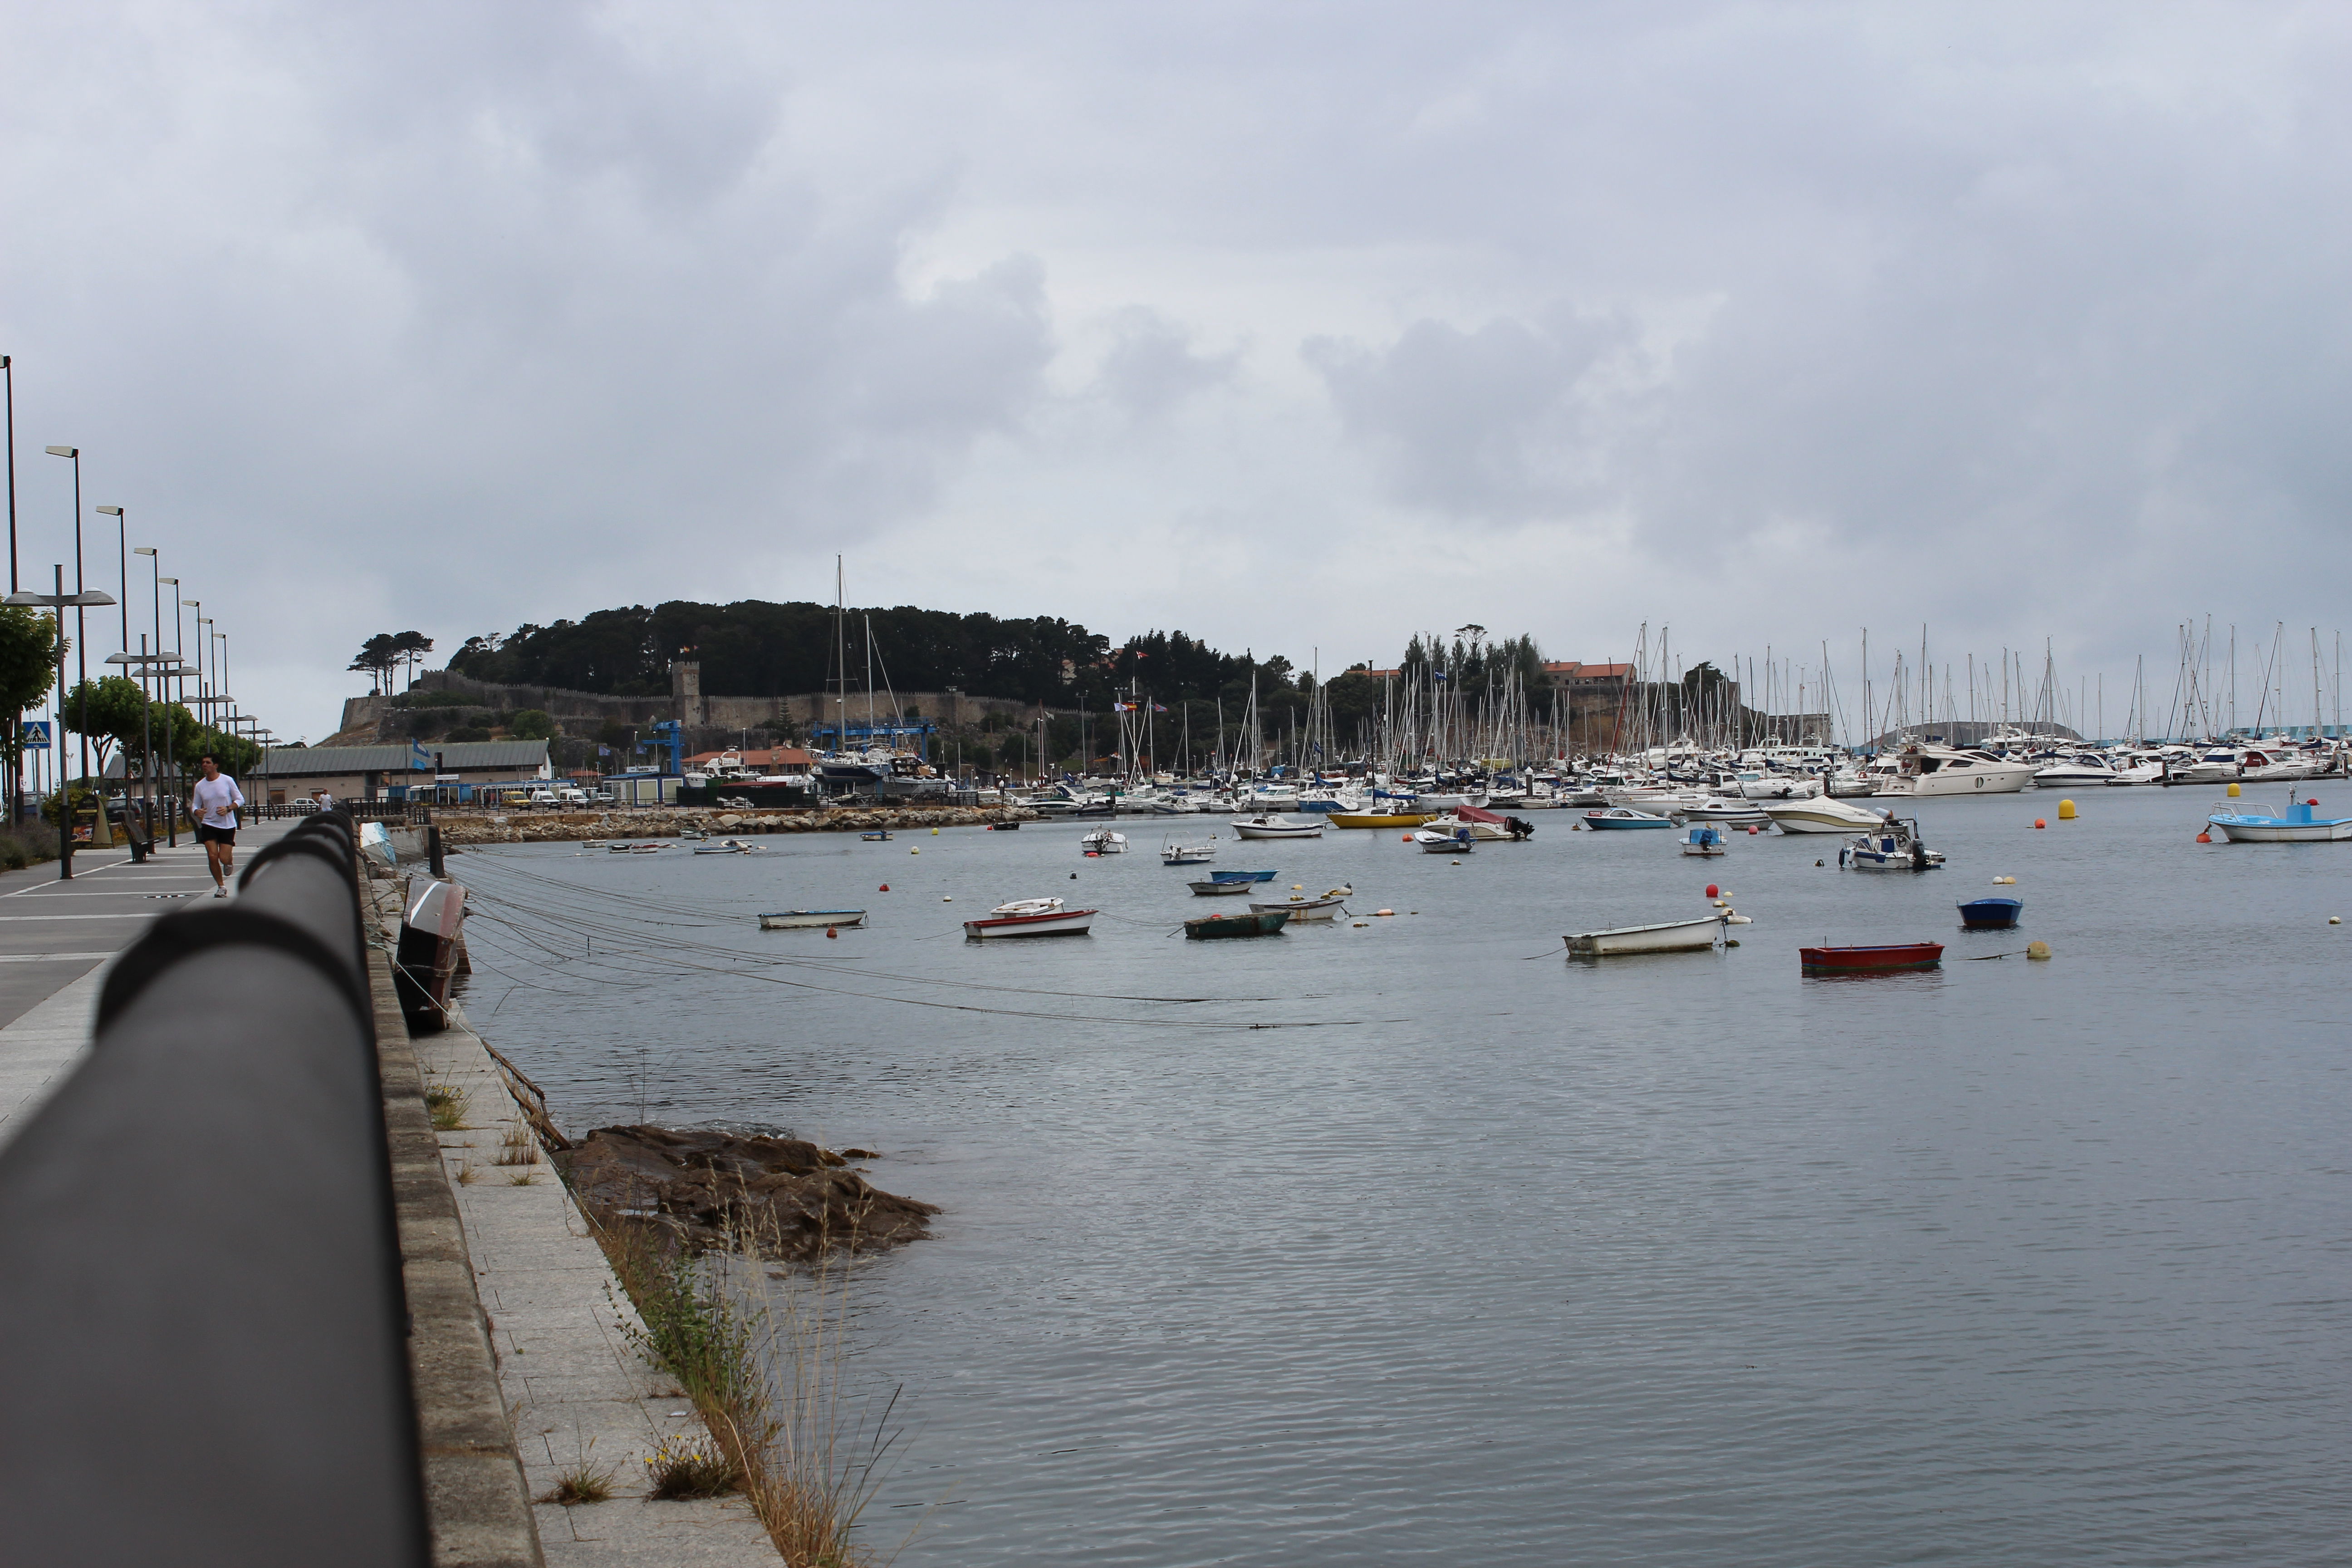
(1919, 854)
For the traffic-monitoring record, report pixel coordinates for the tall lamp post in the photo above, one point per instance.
(144, 660)
(122, 568)
(57, 601)
(8, 369)
(82, 621)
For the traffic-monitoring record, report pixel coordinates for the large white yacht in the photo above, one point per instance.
(1927, 769)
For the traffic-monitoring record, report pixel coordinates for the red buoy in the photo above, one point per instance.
(885, 887)
(2204, 838)
(1405, 838)
(2312, 801)
(1711, 892)
(2038, 823)
(831, 934)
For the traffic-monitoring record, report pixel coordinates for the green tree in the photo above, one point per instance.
(376, 658)
(30, 647)
(112, 710)
(531, 724)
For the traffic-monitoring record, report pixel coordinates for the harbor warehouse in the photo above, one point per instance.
(362, 772)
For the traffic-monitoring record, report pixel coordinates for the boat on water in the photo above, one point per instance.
(692, 833)
(1031, 917)
(1242, 877)
(1666, 936)
(2301, 824)
(1821, 816)
(879, 836)
(2073, 772)
(1103, 841)
(1461, 841)
(1618, 818)
(1266, 826)
(1871, 960)
(1752, 784)
(1380, 818)
(1991, 915)
(1187, 854)
(1255, 923)
(636, 848)
(1215, 890)
(1928, 769)
(1328, 906)
(809, 919)
(1703, 839)
(726, 846)
(1721, 809)
(1894, 845)
(1481, 823)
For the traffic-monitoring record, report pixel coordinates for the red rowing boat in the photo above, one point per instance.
(1863, 959)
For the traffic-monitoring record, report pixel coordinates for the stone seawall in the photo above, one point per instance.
(459, 829)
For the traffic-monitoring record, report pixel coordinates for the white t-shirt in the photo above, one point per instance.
(216, 800)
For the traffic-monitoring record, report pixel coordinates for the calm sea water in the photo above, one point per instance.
(1502, 1257)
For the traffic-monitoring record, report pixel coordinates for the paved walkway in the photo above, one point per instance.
(575, 1388)
(54, 938)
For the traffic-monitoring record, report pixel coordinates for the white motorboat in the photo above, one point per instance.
(1705, 839)
(1893, 846)
(1669, 936)
(2219, 765)
(809, 919)
(2138, 772)
(2072, 773)
(1736, 812)
(1927, 769)
(1274, 797)
(1482, 824)
(1187, 854)
(2273, 764)
(1822, 816)
(1103, 841)
(1328, 906)
(1031, 917)
(1267, 826)
(1849, 783)
(1461, 841)
(1756, 785)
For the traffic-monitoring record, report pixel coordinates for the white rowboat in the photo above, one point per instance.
(1670, 936)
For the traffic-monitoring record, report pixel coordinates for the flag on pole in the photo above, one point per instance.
(418, 757)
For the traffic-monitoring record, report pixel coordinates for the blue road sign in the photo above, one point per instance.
(35, 736)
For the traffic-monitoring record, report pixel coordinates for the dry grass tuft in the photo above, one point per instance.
(516, 1146)
(583, 1482)
(446, 1103)
(466, 1175)
(685, 1466)
(522, 1178)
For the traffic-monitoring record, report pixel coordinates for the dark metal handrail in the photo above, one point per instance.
(202, 1356)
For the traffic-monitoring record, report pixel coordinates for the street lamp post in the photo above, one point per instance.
(8, 369)
(122, 568)
(57, 601)
(82, 621)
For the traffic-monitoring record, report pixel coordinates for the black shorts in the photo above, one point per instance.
(205, 834)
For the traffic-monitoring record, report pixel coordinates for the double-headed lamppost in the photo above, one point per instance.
(123, 570)
(57, 601)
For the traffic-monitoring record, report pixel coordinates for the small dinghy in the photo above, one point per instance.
(1666, 936)
(636, 848)
(1242, 877)
(1217, 888)
(1331, 906)
(1625, 816)
(879, 836)
(1461, 841)
(1187, 854)
(1991, 915)
(1272, 826)
(1871, 960)
(1705, 839)
(2299, 826)
(1718, 809)
(1266, 922)
(1103, 841)
(724, 847)
(1031, 917)
(692, 833)
(810, 920)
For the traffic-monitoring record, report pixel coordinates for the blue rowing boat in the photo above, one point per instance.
(1991, 915)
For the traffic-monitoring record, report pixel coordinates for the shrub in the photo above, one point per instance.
(464, 733)
(531, 724)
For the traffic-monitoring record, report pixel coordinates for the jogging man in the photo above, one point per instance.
(215, 803)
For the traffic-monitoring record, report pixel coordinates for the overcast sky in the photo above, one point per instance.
(1298, 326)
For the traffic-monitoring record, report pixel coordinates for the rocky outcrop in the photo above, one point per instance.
(783, 1197)
(462, 827)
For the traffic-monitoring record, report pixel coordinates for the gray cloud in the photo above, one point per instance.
(1151, 366)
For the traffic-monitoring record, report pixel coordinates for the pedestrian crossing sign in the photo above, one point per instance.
(34, 736)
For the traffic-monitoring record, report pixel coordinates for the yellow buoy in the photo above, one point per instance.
(935, 833)
(2037, 950)
(2065, 811)
(2235, 792)
(913, 852)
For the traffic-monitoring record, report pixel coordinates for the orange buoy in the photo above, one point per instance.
(2204, 838)
(1405, 838)
(831, 933)
(1711, 891)
(2038, 823)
